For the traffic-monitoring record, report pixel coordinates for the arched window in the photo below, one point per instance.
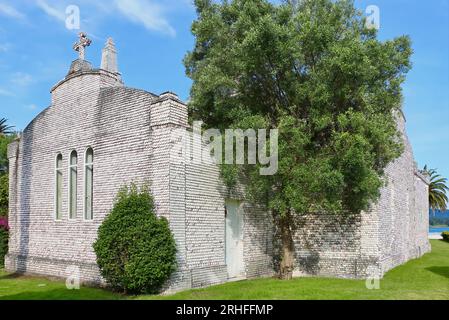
(73, 185)
(58, 187)
(88, 184)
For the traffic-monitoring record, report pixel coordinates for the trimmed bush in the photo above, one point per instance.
(136, 251)
(3, 246)
(445, 236)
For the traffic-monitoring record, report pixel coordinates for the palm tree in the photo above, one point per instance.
(5, 129)
(437, 190)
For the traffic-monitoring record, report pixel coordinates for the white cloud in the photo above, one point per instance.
(21, 79)
(147, 13)
(10, 11)
(4, 92)
(32, 107)
(4, 47)
(51, 11)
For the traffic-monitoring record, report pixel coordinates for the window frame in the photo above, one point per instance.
(58, 214)
(85, 164)
(69, 186)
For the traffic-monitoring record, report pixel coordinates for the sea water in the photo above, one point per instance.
(438, 230)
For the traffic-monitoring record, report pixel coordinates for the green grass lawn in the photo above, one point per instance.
(14, 287)
(425, 278)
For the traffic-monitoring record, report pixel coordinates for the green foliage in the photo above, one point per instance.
(4, 195)
(437, 190)
(5, 140)
(135, 249)
(445, 235)
(3, 245)
(5, 129)
(315, 72)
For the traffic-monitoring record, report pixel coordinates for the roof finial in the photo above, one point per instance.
(81, 45)
(109, 57)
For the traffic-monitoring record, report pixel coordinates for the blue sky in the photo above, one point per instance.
(152, 37)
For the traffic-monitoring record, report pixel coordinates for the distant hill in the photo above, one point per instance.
(439, 214)
(439, 218)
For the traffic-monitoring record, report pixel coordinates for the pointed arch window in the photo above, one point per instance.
(88, 184)
(73, 185)
(58, 187)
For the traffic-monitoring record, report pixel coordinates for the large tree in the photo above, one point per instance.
(314, 71)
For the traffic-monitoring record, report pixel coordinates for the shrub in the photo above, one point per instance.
(445, 236)
(4, 223)
(3, 245)
(136, 251)
(4, 194)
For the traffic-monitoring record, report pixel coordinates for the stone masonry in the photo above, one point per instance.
(392, 232)
(131, 133)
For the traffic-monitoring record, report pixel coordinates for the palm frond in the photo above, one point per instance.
(438, 190)
(5, 129)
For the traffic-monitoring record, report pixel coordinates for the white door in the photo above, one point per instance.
(234, 239)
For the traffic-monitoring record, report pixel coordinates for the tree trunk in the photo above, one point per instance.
(288, 250)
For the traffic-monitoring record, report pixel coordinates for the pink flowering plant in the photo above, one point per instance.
(4, 223)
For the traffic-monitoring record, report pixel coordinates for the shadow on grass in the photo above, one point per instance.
(12, 276)
(441, 271)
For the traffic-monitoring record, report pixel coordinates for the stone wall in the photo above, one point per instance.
(419, 237)
(88, 111)
(402, 209)
(133, 134)
(198, 196)
(327, 245)
(392, 232)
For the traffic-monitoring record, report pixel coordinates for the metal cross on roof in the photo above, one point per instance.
(81, 45)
